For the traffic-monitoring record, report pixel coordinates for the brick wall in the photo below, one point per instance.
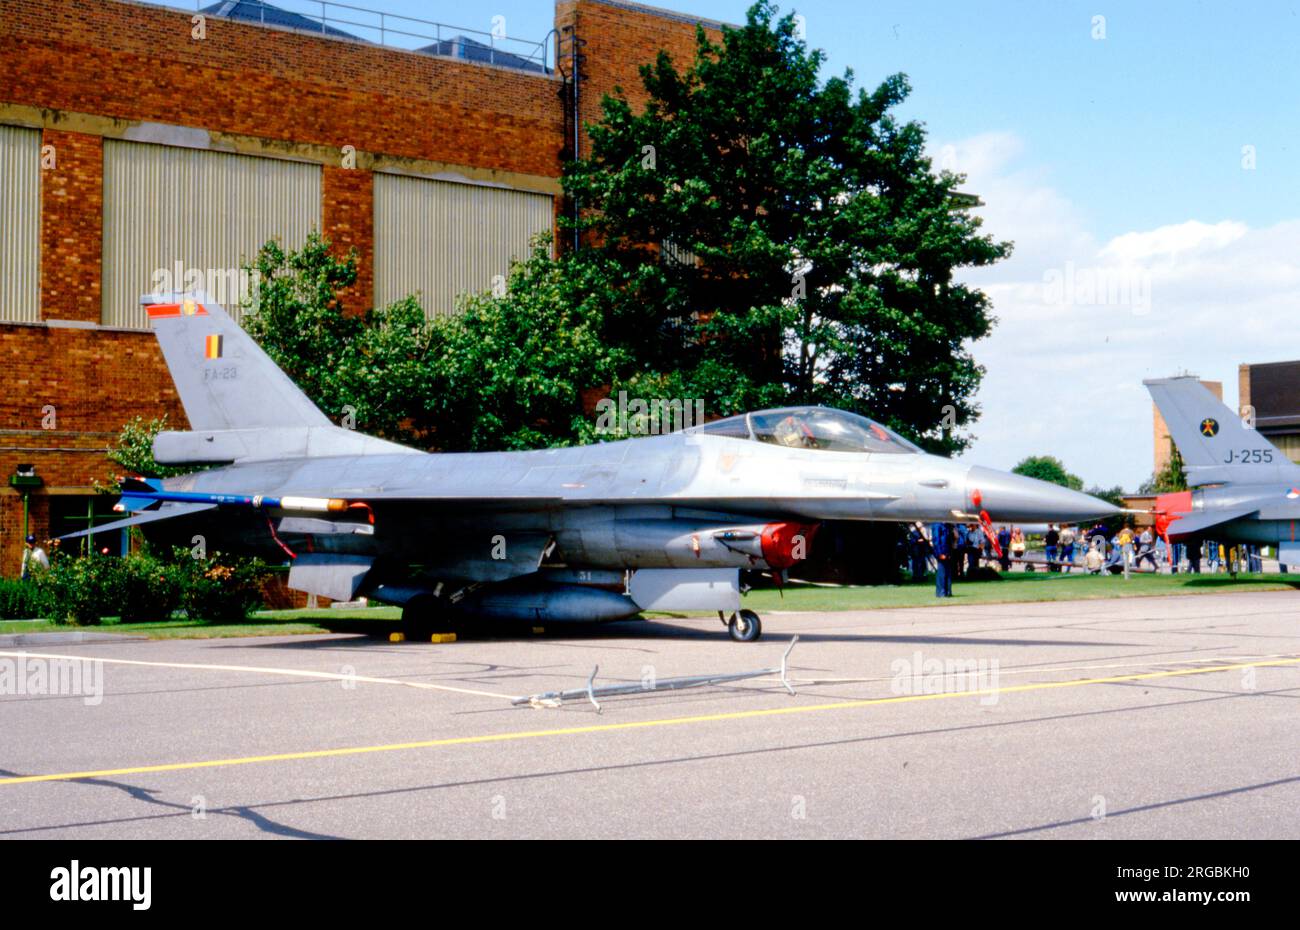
(67, 393)
(134, 62)
(72, 219)
(620, 37)
(347, 219)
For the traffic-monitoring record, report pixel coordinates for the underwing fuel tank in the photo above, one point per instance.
(680, 544)
(549, 603)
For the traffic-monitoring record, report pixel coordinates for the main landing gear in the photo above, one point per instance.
(425, 615)
(744, 626)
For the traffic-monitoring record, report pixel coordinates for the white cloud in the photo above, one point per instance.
(1181, 239)
(1082, 322)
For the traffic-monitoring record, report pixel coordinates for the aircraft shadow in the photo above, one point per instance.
(374, 634)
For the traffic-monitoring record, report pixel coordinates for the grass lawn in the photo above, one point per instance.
(1011, 588)
(262, 623)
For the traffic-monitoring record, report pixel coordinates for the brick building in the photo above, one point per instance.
(136, 139)
(1270, 393)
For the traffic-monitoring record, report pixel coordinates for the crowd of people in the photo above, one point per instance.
(961, 550)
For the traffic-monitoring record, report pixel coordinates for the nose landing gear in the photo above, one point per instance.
(744, 626)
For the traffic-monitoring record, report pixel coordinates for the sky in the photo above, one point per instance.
(1143, 156)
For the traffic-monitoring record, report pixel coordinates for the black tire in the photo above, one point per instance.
(424, 615)
(745, 627)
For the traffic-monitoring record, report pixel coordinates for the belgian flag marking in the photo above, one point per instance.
(212, 347)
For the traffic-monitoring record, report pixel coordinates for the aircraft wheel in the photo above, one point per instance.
(423, 616)
(745, 627)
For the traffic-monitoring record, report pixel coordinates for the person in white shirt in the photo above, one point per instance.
(33, 556)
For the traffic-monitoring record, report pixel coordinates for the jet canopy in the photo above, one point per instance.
(811, 428)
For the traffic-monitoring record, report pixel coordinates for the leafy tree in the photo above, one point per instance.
(1114, 495)
(1170, 478)
(756, 236)
(510, 371)
(513, 369)
(133, 451)
(783, 239)
(1048, 468)
(374, 368)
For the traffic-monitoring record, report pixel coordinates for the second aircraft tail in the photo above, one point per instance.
(1216, 446)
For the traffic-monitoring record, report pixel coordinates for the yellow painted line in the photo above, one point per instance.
(263, 669)
(1033, 669)
(629, 725)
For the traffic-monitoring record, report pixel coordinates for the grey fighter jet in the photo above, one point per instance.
(598, 532)
(1244, 489)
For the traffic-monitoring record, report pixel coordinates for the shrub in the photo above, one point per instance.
(19, 600)
(149, 588)
(142, 587)
(223, 590)
(80, 590)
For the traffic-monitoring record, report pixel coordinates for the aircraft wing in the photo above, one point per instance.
(1194, 524)
(165, 512)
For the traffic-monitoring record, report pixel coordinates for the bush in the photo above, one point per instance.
(19, 600)
(79, 590)
(223, 591)
(142, 587)
(149, 588)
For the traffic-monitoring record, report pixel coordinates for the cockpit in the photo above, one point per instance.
(811, 428)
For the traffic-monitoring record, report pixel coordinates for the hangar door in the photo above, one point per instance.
(20, 219)
(443, 239)
(170, 209)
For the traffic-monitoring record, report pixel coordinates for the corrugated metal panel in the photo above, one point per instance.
(209, 211)
(20, 224)
(443, 239)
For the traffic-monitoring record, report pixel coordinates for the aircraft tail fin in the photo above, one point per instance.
(224, 379)
(1216, 446)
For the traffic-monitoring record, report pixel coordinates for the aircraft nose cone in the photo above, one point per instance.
(1016, 499)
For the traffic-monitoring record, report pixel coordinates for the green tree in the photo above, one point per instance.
(756, 236)
(133, 451)
(375, 368)
(511, 370)
(514, 369)
(784, 239)
(1113, 495)
(1170, 478)
(1048, 468)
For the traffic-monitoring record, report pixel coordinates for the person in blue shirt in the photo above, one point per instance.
(1050, 540)
(918, 550)
(942, 544)
(975, 541)
(957, 557)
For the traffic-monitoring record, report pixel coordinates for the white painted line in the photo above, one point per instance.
(291, 672)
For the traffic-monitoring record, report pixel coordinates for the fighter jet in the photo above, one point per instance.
(1244, 489)
(597, 532)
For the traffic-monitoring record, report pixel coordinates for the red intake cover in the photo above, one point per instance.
(1169, 507)
(779, 540)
